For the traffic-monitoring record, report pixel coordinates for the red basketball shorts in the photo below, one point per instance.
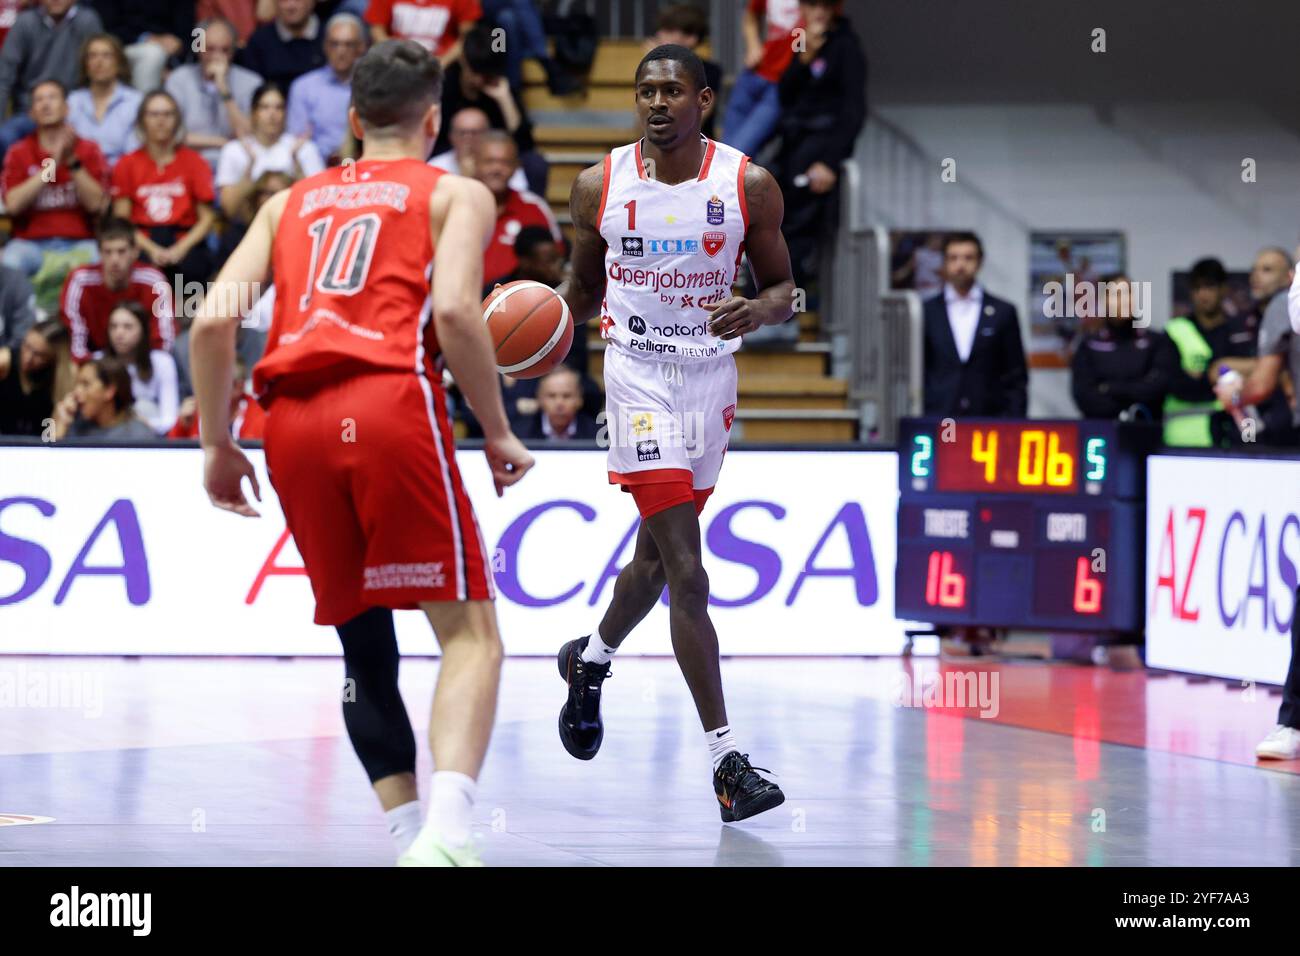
(366, 475)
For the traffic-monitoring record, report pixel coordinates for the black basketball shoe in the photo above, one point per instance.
(741, 791)
(581, 730)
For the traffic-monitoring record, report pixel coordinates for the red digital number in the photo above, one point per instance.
(944, 586)
(631, 213)
(1087, 589)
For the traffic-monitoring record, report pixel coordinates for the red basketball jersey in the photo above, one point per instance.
(352, 262)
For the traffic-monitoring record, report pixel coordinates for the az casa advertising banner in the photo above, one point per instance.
(117, 551)
(1223, 563)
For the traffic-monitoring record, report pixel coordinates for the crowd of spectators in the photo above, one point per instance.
(142, 137)
(1215, 377)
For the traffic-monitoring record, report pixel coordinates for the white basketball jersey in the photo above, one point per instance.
(672, 254)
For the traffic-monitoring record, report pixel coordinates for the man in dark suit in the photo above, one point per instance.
(560, 416)
(974, 359)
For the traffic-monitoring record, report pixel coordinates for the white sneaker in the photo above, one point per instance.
(1282, 744)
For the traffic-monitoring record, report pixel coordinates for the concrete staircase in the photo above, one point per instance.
(786, 392)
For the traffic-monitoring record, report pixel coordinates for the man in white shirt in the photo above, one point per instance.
(963, 314)
(467, 129)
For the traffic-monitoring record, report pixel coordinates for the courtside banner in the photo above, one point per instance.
(108, 551)
(1223, 559)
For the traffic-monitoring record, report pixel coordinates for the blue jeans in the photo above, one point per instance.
(28, 255)
(13, 129)
(753, 112)
(525, 38)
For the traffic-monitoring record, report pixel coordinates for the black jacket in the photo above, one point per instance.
(1116, 368)
(454, 100)
(22, 413)
(1237, 337)
(127, 21)
(530, 429)
(993, 381)
(278, 62)
(823, 103)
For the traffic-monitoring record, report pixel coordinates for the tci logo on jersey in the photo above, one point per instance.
(713, 242)
(728, 416)
(636, 325)
(647, 450)
(716, 212)
(658, 247)
(633, 246)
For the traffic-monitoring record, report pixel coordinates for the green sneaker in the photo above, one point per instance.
(430, 851)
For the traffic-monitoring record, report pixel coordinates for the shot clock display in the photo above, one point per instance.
(1030, 524)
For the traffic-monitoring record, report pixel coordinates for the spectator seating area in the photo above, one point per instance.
(559, 123)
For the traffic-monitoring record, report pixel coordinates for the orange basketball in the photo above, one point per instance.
(530, 326)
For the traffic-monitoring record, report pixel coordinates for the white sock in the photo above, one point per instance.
(404, 824)
(451, 807)
(721, 743)
(597, 651)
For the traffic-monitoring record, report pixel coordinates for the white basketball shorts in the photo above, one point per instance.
(667, 421)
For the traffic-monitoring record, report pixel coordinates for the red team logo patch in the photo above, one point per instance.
(713, 242)
(728, 416)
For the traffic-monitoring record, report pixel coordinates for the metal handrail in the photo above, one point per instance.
(875, 332)
(919, 154)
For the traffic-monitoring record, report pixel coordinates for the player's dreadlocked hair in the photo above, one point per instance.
(679, 54)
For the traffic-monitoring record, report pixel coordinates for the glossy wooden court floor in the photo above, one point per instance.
(245, 762)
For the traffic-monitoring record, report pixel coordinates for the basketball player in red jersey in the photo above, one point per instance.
(358, 441)
(659, 230)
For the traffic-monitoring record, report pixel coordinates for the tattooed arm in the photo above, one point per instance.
(585, 288)
(768, 258)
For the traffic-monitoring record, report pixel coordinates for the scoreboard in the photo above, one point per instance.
(1027, 524)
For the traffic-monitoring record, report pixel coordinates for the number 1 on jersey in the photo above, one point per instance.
(631, 214)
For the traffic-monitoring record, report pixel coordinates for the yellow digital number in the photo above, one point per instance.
(1032, 445)
(985, 451)
(1060, 464)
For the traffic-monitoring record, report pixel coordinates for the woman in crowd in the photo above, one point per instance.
(105, 107)
(154, 385)
(266, 186)
(99, 405)
(34, 378)
(243, 161)
(165, 190)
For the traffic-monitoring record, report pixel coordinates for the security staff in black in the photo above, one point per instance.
(1118, 366)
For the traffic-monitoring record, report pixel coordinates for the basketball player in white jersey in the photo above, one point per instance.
(660, 226)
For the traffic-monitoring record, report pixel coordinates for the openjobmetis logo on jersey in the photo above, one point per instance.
(133, 910)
